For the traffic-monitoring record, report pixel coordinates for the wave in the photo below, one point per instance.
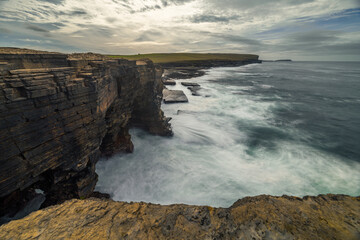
(239, 142)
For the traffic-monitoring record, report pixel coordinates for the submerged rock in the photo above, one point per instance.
(174, 96)
(261, 217)
(169, 82)
(190, 84)
(194, 90)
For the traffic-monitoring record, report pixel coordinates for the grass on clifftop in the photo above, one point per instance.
(184, 57)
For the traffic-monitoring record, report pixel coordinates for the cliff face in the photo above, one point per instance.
(59, 113)
(262, 217)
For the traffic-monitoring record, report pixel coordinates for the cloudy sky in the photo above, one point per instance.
(297, 29)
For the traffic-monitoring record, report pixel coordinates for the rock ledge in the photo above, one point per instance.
(261, 217)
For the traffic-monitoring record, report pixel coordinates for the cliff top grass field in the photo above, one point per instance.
(185, 57)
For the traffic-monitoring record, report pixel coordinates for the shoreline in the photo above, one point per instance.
(187, 70)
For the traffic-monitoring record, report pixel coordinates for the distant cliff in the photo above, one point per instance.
(59, 113)
(194, 60)
(253, 218)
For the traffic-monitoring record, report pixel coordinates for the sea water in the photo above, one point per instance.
(273, 128)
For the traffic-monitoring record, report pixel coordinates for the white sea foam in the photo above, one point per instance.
(215, 157)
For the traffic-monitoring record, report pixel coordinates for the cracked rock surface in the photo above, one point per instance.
(261, 217)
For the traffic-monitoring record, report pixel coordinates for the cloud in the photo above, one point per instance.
(149, 36)
(5, 30)
(257, 4)
(237, 39)
(147, 8)
(53, 1)
(324, 45)
(270, 28)
(36, 28)
(209, 18)
(313, 37)
(174, 2)
(72, 12)
(110, 19)
(77, 12)
(352, 48)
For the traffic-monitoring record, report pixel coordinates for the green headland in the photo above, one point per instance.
(185, 57)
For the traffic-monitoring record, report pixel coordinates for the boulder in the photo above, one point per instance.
(174, 96)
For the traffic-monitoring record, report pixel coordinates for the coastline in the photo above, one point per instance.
(188, 70)
(93, 101)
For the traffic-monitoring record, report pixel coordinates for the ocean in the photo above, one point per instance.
(273, 128)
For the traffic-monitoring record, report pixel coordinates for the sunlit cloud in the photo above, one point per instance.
(269, 28)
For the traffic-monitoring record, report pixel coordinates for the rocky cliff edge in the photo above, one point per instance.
(261, 217)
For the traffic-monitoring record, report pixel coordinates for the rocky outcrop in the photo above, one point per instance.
(262, 217)
(59, 113)
(174, 96)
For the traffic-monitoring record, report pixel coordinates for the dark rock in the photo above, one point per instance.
(190, 84)
(169, 82)
(100, 195)
(174, 96)
(194, 90)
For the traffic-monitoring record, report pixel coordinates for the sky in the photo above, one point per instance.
(325, 30)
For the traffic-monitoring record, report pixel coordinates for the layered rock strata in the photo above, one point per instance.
(262, 217)
(59, 113)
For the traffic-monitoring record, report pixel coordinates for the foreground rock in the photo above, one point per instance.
(262, 217)
(174, 96)
(59, 113)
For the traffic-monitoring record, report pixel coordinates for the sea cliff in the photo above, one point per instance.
(59, 113)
